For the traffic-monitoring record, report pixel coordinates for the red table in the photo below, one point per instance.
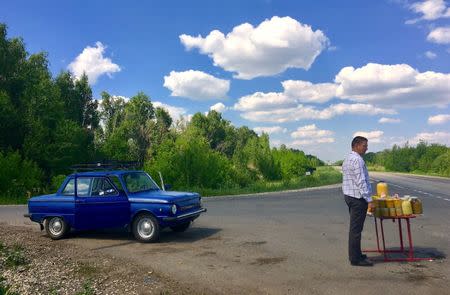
(409, 253)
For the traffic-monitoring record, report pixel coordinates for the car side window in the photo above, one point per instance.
(115, 180)
(102, 187)
(69, 190)
(83, 186)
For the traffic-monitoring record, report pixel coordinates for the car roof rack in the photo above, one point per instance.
(105, 166)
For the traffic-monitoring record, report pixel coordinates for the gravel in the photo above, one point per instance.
(43, 266)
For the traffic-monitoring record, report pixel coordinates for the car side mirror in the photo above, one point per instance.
(167, 187)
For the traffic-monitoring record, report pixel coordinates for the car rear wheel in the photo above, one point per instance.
(146, 228)
(181, 227)
(56, 227)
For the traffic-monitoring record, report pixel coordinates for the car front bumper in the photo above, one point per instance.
(194, 214)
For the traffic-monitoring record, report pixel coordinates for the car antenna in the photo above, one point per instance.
(162, 181)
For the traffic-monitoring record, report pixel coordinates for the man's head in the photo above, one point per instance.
(359, 145)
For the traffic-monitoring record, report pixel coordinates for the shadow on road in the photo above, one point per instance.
(167, 236)
(419, 252)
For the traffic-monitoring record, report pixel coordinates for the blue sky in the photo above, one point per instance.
(310, 73)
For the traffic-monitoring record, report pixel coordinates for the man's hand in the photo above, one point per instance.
(371, 206)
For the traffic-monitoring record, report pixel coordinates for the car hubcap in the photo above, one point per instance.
(145, 228)
(55, 226)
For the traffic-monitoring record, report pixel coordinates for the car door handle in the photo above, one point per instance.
(80, 201)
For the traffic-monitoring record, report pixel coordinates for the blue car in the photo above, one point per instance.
(114, 199)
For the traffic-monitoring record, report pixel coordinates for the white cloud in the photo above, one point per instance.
(268, 49)
(393, 85)
(310, 131)
(429, 10)
(372, 136)
(263, 101)
(301, 112)
(92, 62)
(218, 107)
(434, 137)
(389, 120)
(440, 35)
(196, 85)
(270, 130)
(302, 142)
(304, 91)
(294, 93)
(174, 112)
(430, 55)
(439, 119)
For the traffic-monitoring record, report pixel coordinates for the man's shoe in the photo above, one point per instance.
(363, 256)
(365, 262)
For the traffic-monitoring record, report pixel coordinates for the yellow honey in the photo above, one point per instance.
(406, 207)
(382, 189)
(416, 206)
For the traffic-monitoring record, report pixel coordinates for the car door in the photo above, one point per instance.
(98, 204)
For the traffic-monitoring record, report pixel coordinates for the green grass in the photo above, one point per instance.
(6, 200)
(376, 168)
(87, 270)
(13, 256)
(416, 172)
(5, 289)
(86, 289)
(323, 176)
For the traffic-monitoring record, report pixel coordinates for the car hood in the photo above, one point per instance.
(160, 196)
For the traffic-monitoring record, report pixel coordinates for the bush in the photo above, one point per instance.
(441, 164)
(19, 178)
(188, 161)
(56, 182)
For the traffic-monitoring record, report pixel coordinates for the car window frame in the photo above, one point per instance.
(117, 194)
(89, 189)
(125, 185)
(66, 184)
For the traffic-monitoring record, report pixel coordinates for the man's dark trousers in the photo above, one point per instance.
(358, 210)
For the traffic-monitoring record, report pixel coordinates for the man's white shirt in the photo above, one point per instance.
(356, 178)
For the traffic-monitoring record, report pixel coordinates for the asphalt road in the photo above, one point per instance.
(289, 243)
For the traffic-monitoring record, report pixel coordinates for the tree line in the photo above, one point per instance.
(49, 123)
(422, 158)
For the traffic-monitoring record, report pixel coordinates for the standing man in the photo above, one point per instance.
(357, 193)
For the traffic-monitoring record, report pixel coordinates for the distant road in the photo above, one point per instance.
(290, 243)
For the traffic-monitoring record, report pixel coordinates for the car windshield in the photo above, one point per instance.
(139, 182)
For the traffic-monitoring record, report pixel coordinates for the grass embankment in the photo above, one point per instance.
(378, 168)
(322, 176)
(5, 200)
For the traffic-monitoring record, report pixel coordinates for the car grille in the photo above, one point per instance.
(184, 208)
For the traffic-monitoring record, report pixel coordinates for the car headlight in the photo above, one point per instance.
(174, 209)
(201, 202)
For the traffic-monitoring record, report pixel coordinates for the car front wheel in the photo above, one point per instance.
(181, 227)
(146, 228)
(56, 227)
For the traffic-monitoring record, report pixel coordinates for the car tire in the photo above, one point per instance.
(56, 227)
(181, 227)
(146, 228)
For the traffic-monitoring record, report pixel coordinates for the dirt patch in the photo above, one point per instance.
(206, 253)
(255, 243)
(31, 263)
(268, 260)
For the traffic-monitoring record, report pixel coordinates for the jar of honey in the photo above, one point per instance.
(416, 205)
(407, 207)
(382, 189)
